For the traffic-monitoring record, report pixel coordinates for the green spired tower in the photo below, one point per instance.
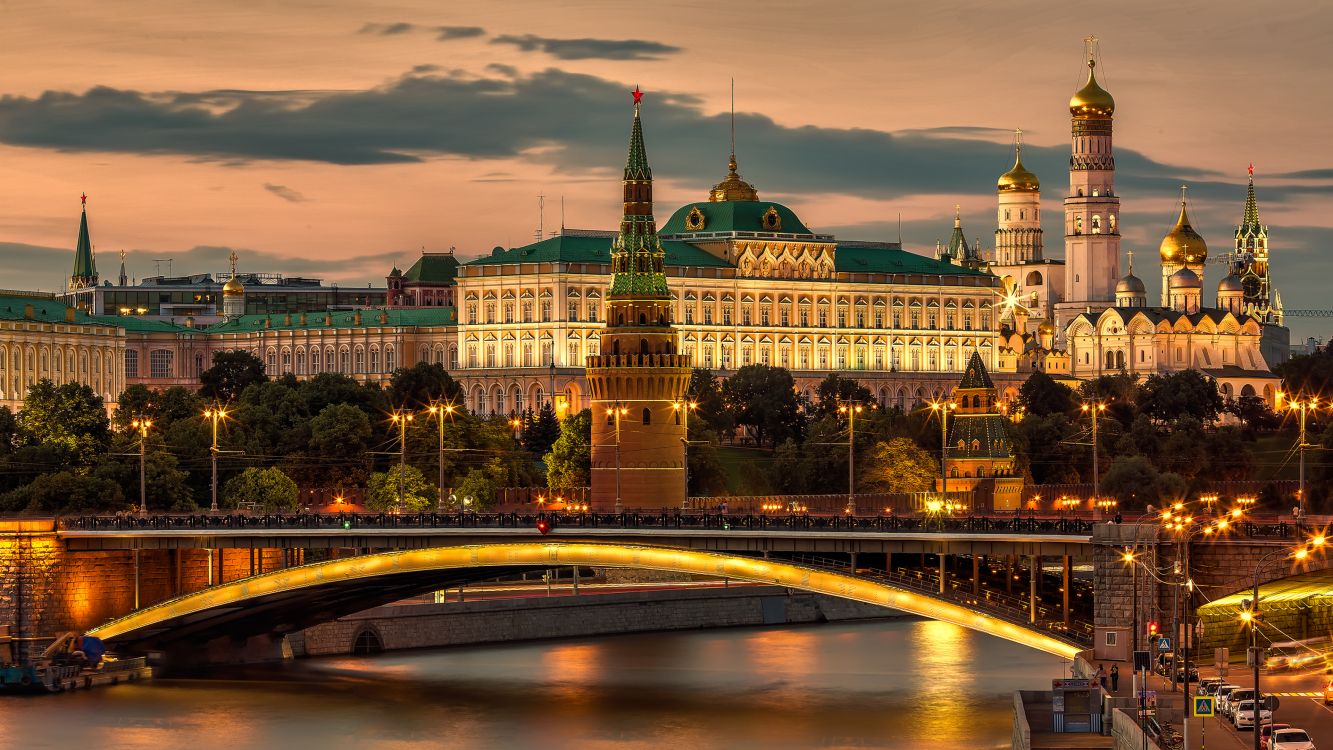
(85, 265)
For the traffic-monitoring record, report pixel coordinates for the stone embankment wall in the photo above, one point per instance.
(493, 621)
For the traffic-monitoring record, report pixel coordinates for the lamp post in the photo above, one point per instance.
(215, 414)
(142, 426)
(851, 409)
(440, 411)
(942, 408)
(617, 410)
(1302, 409)
(1095, 408)
(1251, 616)
(401, 418)
(683, 408)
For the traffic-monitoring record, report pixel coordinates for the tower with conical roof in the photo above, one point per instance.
(1092, 236)
(1182, 249)
(638, 379)
(980, 453)
(85, 265)
(1251, 249)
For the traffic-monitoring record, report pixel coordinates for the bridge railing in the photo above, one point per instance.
(666, 520)
(1009, 608)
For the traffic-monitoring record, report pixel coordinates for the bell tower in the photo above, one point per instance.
(638, 379)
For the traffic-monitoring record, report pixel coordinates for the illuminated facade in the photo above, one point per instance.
(979, 452)
(42, 338)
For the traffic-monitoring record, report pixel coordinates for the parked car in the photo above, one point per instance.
(1291, 738)
(1194, 674)
(1244, 714)
(1221, 693)
(1266, 729)
(1233, 698)
(1210, 686)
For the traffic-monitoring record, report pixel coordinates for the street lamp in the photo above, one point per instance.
(516, 424)
(942, 408)
(683, 408)
(440, 412)
(401, 417)
(216, 414)
(1095, 408)
(851, 409)
(142, 426)
(1302, 409)
(617, 410)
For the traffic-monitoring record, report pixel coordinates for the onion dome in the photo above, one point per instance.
(232, 287)
(732, 187)
(1182, 244)
(1046, 327)
(1092, 101)
(1184, 279)
(1018, 178)
(1230, 284)
(1131, 284)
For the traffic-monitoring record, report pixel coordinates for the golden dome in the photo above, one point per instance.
(1092, 100)
(1018, 178)
(232, 287)
(1182, 244)
(1046, 327)
(732, 187)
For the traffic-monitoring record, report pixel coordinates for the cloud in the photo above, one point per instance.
(387, 29)
(285, 193)
(589, 49)
(447, 33)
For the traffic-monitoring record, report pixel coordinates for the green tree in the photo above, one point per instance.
(165, 484)
(1174, 396)
(1042, 395)
(705, 391)
(423, 384)
(1253, 413)
(1042, 445)
(418, 494)
(9, 431)
(835, 390)
(763, 400)
(65, 492)
(69, 417)
(333, 388)
(232, 372)
(899, 465)
(482, 485)
(569, 464)
(1132, 480)
(707, 477)
(270, 489)
(339, 438)
(541, 430)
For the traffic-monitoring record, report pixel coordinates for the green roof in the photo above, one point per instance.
(976, 375)
(735, 216)
(370, 318)
(855, 258)
(592, 248)
(12, 307)
(990, 431)
(433, 268)
(85, 266)
(134, 324)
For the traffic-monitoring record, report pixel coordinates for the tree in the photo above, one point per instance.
(899, 465)
(763, 400)
(1043, 449)
(707, 477)
(1042, 395)
(1185, 449)
(1132, 480)
(418, 494)
(9, 431)
(705, 391)
(541, 430)
(339, 437)
(270, 489)
(1188, 393)
(422, 384)
(69, 417)
(232, 372)
(65, 492)
(482, 485)
(835, 390)
(569, 464)
(1253, 413)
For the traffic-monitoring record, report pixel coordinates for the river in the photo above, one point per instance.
(892, 684)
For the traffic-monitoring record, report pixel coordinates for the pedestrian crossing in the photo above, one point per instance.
(1296, 695)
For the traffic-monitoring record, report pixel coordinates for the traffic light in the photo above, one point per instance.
(545, 525)
(1152, 628)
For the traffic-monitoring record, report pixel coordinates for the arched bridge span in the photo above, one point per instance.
(295, 598)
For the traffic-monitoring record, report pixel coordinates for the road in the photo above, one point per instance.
(1301, 704)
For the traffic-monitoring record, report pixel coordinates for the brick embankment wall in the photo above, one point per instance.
(493, 621)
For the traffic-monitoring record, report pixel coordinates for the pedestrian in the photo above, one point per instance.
(1115, 678)
(1101, 675)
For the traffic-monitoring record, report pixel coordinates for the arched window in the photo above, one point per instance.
(647, 415)
(1096, 224)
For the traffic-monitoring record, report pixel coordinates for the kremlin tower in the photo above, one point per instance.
(1252, 265)
(638, 379)
(85, 265)
(1092, 234)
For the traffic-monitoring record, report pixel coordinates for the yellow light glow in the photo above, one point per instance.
(1301, 553)
(1317, 541)
(1245, 615)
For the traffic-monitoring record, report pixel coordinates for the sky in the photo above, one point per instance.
(335, 138)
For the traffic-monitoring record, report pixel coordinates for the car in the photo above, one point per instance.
(1210, 686)
(1194, 674)
(1291, 738)
(1228, 706)
(1222, 693)
(1243, 716)
(1267, 729)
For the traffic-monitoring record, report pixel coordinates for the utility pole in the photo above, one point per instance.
(618, 411)
(851, 409)
(401, 418)
(1095, 408)
(439, 411)
(1302, 408)
(216, 414)
(942, 407)
(684, 408)
(142, 426)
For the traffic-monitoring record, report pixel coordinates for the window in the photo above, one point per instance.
(472, 313)
(764, 355)
(344, 361)
(490, 312)
(647, 415)
(823, 318)
(527, 312)
(726, 316)
(916, 318)
(805, 316)
(948, 320)
(592, 312)
(689, 314)
(708, 315)
(897, 318)
(509, 355)
(763, 316)
(784, 316)
(390, 361)
(572, 353)
(726, 358)
(879, 318)
(490, 355)
(131, 363)
(573, 311)
(159, 363)
(1096, 224)
(879, 359)
(932, 318)
(374, 359)
(509, 312)
(860, 318)
(842, 318)
(745, 356)
(271, 361)
(1112, 638)
(546, 311)
(745, 316)
(286, 360)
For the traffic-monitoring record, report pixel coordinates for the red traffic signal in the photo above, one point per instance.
(544, 526)
(1152, 628)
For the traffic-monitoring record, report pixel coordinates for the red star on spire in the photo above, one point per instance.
(1251, 169)
(84, 198)
(638, 95)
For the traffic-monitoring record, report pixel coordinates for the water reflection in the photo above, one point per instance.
(884, 684)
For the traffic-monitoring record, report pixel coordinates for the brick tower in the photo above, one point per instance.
(638, 379)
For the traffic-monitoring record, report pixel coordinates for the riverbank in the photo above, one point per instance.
(408, 626)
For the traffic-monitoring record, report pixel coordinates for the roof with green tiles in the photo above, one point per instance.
(734, 216)
(981, 436)
(370, 318)
(976, 375)
(592, 248)
(433, 268)
(44, 309)
(133, 324)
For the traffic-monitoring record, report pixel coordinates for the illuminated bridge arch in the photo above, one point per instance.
(295, 598)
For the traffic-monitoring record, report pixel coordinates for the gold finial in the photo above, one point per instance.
(732, 187)
(732, 163)
(1183, 188)
(122, 255)
(957, 216)
(1090, 46)
(1018, 141)
(233, 260)
(1131, 262)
